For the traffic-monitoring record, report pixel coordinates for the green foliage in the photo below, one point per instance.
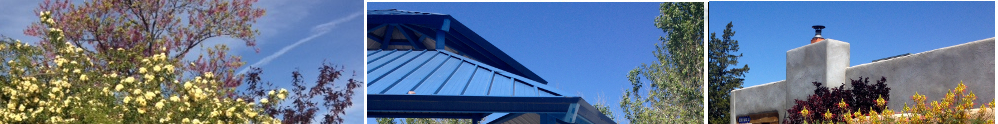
(386, 120)
(721, 78)
(424, 121)
(676, 88)
(605, 110)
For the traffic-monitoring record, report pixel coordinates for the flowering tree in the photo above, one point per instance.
(59, 83)
(117, 61)
(170, 27)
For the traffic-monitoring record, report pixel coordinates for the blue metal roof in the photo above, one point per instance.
(409, 28)
(429, 65)
(444, 73)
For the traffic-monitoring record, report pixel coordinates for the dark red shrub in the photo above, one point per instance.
(861, 97)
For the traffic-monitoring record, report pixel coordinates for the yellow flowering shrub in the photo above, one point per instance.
(957, 107)
(73, 86)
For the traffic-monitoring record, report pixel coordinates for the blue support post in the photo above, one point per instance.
(440, 34)
(573, 111)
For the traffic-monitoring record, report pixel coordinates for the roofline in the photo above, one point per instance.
(455, 25)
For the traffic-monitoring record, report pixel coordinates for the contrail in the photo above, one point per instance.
(317, 31)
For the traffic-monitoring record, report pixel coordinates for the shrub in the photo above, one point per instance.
(955, 108)
(862, 97)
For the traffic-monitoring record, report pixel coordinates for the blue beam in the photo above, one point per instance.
(375, 38)
(388, 37)
(426, 115)
(409, 38)
(468, 104)
(415, 30)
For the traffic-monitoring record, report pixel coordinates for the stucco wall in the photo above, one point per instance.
(758, 99)
(825, 61)
(930, 73)
(934, 72)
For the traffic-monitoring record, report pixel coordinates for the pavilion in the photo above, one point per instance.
(429, 65)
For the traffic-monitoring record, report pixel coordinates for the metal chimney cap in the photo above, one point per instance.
(818, 27)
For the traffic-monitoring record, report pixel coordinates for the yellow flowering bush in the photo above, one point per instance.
(957, 107)
(71, 85)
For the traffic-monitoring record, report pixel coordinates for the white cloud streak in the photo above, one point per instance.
(317, 31)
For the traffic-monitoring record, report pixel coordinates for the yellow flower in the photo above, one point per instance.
(149, 77)
(880, 101)
(169, 68)
(264, 101)
(83, 77)
(118, 88)
(187, 85)
(127, 98)
(208, 74)
(137, 91)
(282, 94)
(143, 69)
(44, 13)
(149, 95)
(249, 112)
(159, 105)
(55, 30)
(129, 79)
(804, 112)
(271, 93)
(156, 68)
(174, 98)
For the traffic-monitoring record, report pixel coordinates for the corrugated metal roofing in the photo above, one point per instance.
(399, 29)
(444, 73)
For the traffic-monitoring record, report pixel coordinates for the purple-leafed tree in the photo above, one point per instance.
(334, 95)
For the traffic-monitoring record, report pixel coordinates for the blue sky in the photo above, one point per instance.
(307, 31)
(585, 49)
(874, 30)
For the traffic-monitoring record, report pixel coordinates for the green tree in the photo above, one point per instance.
(676, 86)
(605, 110)
(424, 121)
(386, 120)
(721, 78)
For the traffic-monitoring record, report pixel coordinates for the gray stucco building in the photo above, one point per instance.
(930, 73)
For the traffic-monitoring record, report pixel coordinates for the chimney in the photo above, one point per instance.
(817, 33)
